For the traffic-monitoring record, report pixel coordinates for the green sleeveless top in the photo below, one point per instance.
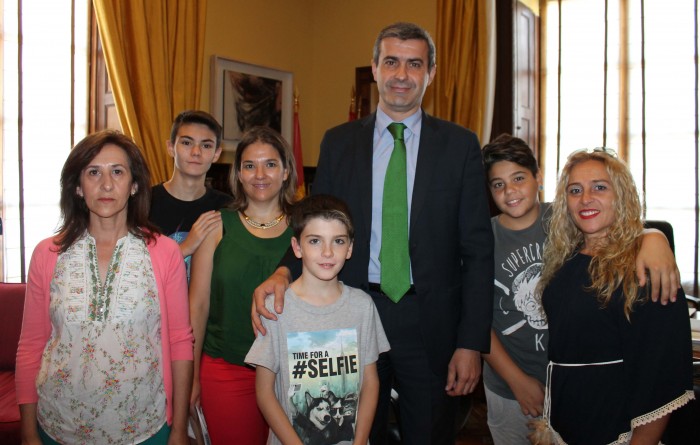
(241, 262)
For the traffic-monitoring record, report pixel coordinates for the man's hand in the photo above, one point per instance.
(530, 395)
(276, 284)
(206, 222)
(656, 257)
(463, 372)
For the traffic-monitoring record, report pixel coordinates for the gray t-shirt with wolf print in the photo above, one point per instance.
(319, 354)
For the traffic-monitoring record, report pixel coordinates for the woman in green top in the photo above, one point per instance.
(237, 255)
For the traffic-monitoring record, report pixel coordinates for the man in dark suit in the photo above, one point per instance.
(438, 329)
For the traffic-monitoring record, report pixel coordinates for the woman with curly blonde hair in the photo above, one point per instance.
(619, 364)
(609, 267)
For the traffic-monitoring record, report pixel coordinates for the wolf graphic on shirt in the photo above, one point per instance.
(324, 376)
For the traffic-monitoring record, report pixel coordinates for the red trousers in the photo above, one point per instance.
(229, 405)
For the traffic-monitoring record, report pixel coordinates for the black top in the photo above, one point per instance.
(596, 404)
(172, 215)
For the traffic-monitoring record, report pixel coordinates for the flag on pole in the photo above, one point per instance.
(301, 190)
(352, 114)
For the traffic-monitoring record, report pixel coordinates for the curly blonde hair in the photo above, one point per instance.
(613, 262)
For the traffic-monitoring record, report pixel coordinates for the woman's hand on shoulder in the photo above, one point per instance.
(205, 224)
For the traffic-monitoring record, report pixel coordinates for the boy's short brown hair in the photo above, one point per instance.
(325, 207)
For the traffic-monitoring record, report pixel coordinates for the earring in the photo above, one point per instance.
(540, 188)
(133, 192)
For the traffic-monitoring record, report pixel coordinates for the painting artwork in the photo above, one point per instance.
(245, 95)
(250, 100)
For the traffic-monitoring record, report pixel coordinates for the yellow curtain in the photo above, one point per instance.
(465, 40)
(154, 51)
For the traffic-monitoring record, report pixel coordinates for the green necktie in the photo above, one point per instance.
(394, 258)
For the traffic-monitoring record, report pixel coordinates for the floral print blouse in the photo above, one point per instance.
(101, 376)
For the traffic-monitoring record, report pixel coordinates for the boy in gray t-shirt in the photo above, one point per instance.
(316, 374)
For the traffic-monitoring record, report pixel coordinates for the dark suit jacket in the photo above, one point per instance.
(451, 242)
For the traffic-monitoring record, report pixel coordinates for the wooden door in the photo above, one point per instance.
(526, 76)
(103, 110)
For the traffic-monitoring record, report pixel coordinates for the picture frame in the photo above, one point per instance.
(244, 95)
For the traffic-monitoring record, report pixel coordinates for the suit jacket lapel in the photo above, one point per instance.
(363, 161)
(428, 145)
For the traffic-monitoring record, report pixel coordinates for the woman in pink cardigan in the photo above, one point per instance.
(105, 354)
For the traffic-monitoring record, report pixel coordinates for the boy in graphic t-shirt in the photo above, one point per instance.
(316, 375)
(514, 372)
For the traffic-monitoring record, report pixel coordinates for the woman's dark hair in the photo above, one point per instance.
(265, 135)
(75, 215)
(509, 148)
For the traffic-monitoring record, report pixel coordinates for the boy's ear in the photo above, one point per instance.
(296, 247)
(171, 148)
(349, 254)
(217, 153)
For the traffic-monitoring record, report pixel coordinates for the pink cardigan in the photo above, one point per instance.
(176, 336)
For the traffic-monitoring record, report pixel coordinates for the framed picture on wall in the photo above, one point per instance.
(245, 95)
